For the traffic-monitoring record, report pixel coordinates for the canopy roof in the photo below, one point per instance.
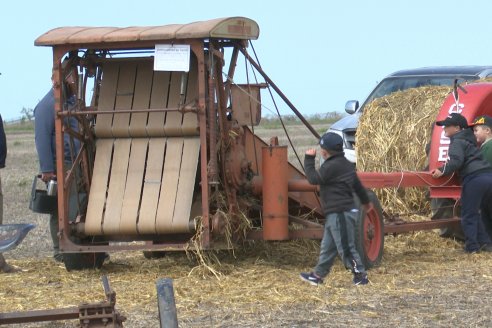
(222, 28)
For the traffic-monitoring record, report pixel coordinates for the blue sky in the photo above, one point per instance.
(320, 53)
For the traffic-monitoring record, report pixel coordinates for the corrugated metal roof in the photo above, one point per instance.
(225, 28)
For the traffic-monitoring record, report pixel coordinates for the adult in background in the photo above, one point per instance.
(475, 173)
(44, 135)
(4, 267)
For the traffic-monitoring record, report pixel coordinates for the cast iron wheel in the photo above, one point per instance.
(369, 232)
(81, 261)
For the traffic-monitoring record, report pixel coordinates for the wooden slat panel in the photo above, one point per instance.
(133, 188)
(124, 100)
(99, 186)
(158, 99)
(187, 175)
(190, 120)
(107, 99)
(169, 186)
(141, 100)
(174, 119)
(116, 189)
(152, 185)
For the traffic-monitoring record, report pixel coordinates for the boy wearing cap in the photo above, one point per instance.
(475, 173)
(338, 180)
(482, 128)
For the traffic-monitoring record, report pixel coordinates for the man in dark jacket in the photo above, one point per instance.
(475, 173)
(4, 267)
(44, 135)
(338, 180)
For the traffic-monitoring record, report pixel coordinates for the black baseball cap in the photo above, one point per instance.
(454, 119)
(483, 120)
(331, 141)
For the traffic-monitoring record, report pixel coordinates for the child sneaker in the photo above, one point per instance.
(360, 279)
(311, 278)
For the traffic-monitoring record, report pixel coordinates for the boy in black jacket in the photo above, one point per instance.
(338, 180)
(475, 173)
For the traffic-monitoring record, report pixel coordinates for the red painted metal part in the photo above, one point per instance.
(476, 101)
(308, 233)
(420, 225)
(373, 239)
(377, 180)
(275, 195)
(253, 146)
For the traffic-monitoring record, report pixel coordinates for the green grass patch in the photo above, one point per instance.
(19, 127)
(273, 122)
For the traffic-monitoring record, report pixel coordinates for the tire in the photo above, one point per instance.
(81, 261)
(369, 232)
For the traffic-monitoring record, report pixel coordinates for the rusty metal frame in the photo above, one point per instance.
(66, 244)
(212, 85)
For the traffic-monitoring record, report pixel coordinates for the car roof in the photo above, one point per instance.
(480, 71)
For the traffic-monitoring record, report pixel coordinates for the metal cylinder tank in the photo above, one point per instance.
(275, 193)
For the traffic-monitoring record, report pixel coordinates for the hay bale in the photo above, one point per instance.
(392, 136)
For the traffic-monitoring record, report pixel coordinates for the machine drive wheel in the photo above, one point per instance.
(369, 232)
(81, 261)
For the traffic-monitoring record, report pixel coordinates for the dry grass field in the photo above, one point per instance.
(423, 280)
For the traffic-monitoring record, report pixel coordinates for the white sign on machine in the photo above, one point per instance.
(172, 57)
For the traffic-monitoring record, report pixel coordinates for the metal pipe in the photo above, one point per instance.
(202, 123)
(212, 122)
(287, 101)
(232, 69)
(39, 315)
(421, 225)
(185, 109)
(371, 180)
(275, 193)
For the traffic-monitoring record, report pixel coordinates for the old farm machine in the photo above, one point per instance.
(164, 148)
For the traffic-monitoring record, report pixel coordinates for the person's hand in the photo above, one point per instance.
(436, 173)
(47, 176)
(311, 152)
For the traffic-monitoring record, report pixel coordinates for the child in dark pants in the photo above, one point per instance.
(482, 128)
(338, 180)
(476, 176)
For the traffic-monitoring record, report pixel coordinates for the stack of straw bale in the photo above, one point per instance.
(392, 136)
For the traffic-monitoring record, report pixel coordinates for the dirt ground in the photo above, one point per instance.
(423, 280)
